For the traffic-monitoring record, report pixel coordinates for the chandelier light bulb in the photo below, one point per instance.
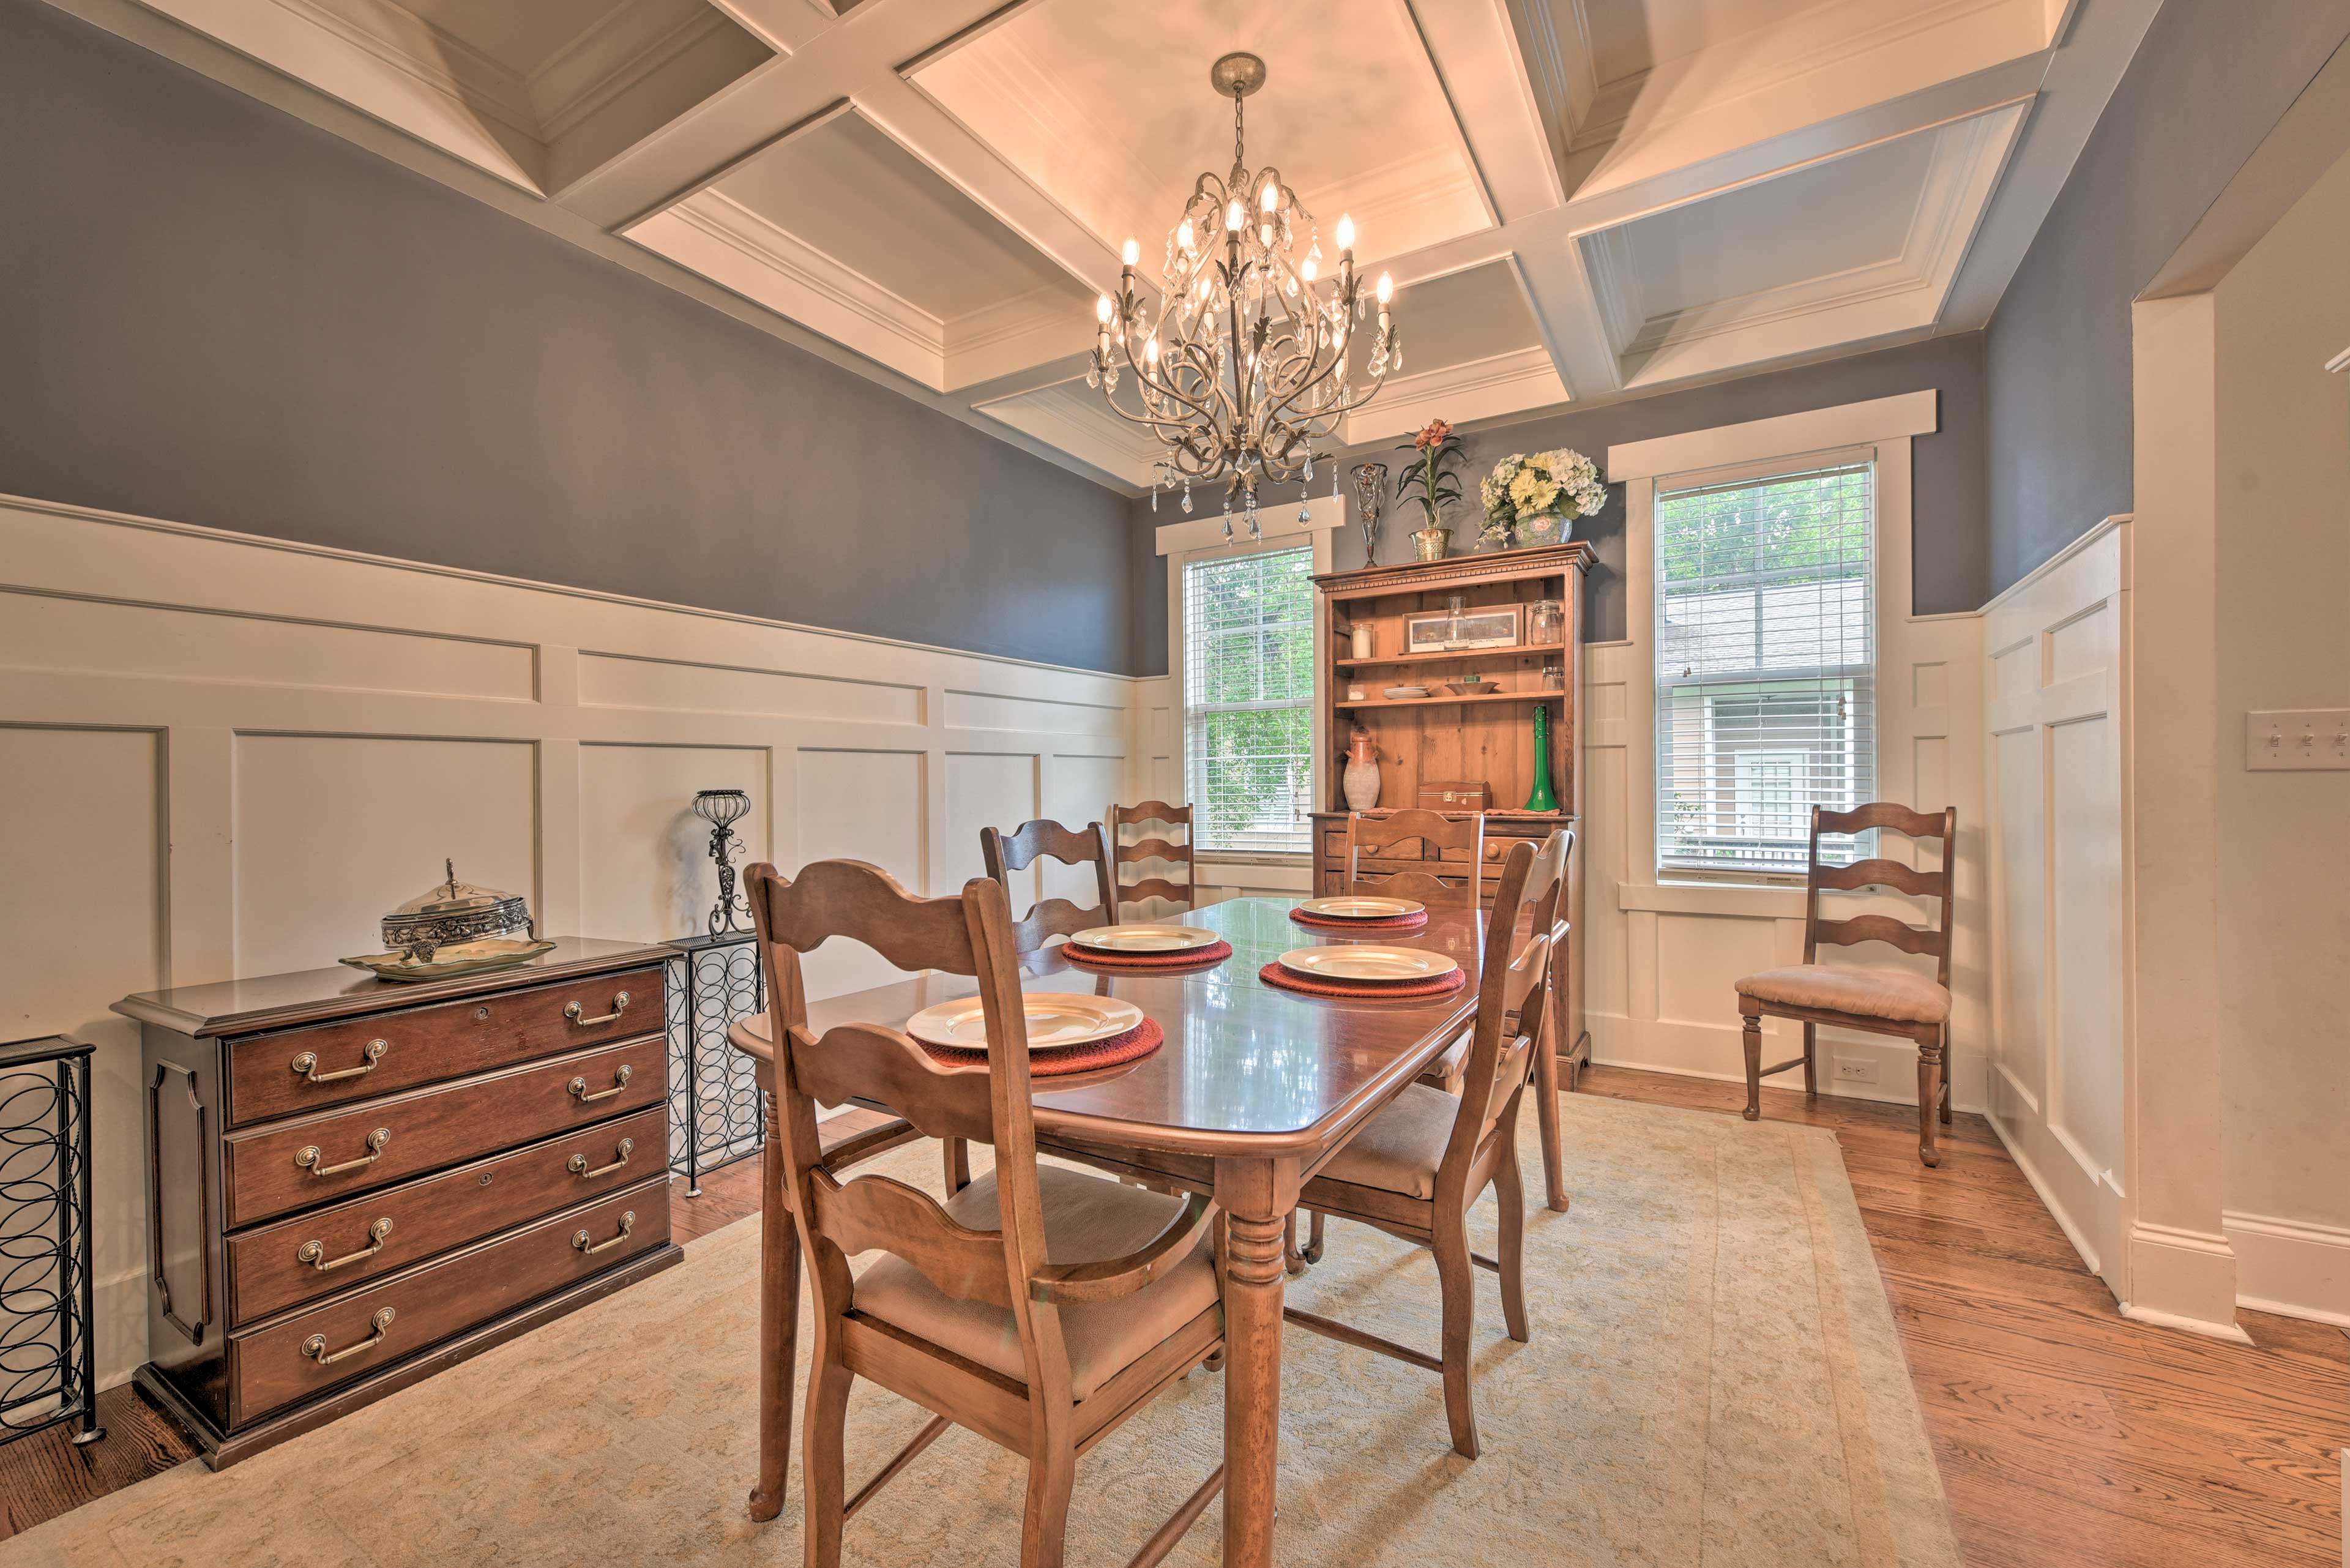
(1308, 269)
(1271, 199)
(1233, 216)
(1345, 232)
(1265, 234)
(1386, 289)
(1132, 252)
(1151, 351)
(1183, 236)
(1102, 309)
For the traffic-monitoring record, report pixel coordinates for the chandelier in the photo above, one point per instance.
(1246, 369)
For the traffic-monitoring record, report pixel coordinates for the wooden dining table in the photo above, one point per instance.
(1255, 1088)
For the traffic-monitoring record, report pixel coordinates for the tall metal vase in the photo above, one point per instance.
(1543, 799)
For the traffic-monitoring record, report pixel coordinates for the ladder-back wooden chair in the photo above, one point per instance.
(1158, 847)
(1881, 1001)
(1418, 1165)
(1373, 838)
(1005, 853)
(1039, 1306)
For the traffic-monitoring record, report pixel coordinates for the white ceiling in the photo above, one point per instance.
(1580, 200)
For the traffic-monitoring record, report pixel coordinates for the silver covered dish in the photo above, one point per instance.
(454, 912)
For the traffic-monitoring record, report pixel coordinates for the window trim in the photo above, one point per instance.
(1202, 538)
(1790, 443)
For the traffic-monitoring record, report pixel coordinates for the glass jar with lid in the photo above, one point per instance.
(1546, 622)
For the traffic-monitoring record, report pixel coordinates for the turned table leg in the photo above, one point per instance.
(1257, 1197)
(779, 1322)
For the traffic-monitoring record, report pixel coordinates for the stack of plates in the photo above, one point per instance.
(1144, 939)
(1359, 961)
(1056, 1021)
(1360, 906)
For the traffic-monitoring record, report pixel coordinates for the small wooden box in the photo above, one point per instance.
(1454, 795)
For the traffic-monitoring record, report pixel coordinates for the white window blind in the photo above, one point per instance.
(1248, 696)
(1766, 654)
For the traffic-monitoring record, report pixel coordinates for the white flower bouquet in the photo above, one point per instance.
(1531, 497)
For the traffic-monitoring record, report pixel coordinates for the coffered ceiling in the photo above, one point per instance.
(1579, 200)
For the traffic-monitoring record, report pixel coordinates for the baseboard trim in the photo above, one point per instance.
(2155, 1317)
(2293, 1268)
(2040, 1190)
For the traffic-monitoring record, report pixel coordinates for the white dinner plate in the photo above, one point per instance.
(1144, 939)
(1365, 961)
(1360, 906)
(1056, 1019)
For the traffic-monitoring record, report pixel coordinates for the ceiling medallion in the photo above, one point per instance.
(1246, 369)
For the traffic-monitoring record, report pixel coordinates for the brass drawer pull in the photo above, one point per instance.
(628, 1224)
(619, 1082)
(309, 1158)
(315, 1252)
(577, 1014)
(314, 1348)
(578, 1166)
(306, 1065)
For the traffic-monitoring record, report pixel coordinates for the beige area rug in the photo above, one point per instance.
(1713, 1379)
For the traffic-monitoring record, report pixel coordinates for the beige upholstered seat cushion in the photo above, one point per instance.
(1402, 1145)
(1087, 1221)
(1891, 995)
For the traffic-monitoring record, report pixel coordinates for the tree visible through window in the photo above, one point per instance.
(1765, 666)
(1248, 696)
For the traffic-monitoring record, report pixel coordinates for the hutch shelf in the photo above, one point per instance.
(1485, 737)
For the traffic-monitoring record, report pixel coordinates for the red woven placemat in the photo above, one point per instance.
(1139, 1041)
(1411, 922)
(1194, 957)
(1272, 974)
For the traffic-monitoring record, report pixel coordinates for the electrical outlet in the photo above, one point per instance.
(1856, 1070)
(2297, 740)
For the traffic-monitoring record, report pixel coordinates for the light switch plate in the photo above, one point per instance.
(2297, 740)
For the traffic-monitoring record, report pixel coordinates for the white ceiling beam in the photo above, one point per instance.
(1484, 78)
(853, 58)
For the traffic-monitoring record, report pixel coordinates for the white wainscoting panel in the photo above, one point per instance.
(222, 754)
(2055, 656)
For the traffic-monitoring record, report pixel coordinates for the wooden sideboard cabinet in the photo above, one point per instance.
(353, 1184)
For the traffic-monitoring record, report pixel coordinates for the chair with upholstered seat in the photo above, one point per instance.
(1038, 1306)
(1157, 848)
(1880, 1001)
(1423, 1159)
(1005, 853)
(1434, 838)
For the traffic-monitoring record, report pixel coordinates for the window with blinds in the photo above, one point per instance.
(1248, 700)
(1766, 651)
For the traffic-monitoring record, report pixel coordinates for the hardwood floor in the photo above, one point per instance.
(2065, 1434)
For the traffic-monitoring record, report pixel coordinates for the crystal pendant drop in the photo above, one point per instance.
(1187, 496)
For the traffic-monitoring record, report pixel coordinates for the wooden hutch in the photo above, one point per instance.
(1482, 737)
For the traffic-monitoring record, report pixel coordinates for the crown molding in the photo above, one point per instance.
(623, 47)
(1517, 382)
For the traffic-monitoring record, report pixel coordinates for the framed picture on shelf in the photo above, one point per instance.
(1439, 631)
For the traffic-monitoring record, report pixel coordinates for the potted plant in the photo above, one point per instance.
(1534, 498)
(1428, 481)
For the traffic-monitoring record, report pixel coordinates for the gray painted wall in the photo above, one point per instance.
(212, 313)
(2208, 82)
(1948, 559)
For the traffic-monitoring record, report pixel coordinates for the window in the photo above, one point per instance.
(1765, 666)
(1248, 699)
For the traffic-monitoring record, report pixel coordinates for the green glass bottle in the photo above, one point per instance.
(1542, 799)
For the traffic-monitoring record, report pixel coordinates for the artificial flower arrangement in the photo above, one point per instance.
(1532, 496)
(1428, 480)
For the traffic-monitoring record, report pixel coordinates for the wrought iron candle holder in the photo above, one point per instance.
(48, 1359)
(722, 808)
(1370, 490)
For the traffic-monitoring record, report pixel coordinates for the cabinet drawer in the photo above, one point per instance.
(388, 1320)
(272, 1170)
(293, 1260)
(299, 1070)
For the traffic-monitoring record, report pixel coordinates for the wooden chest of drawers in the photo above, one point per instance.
(352, 1185)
